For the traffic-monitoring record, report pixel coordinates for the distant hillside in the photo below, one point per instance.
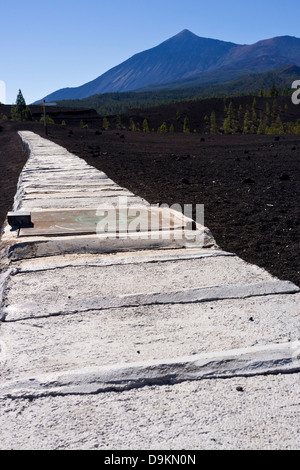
(233, 115)
(114, 103)
(249, 114)
(188, 60)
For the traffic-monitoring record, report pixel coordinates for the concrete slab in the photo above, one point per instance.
(83, 282)
(104, 190)
(80, 202)
(15, 312)
(37, 345)
(241, 413)
(280, 358)
(72, 193)
(19, 248)
(50, 223)
(117, 258)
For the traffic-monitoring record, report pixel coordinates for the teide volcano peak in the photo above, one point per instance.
(187, 56)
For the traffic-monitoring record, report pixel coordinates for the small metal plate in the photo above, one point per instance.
(19, 219)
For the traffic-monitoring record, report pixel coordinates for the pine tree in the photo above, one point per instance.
(231, 116)
(14, 114)
(285, 91)
(240, 110)
(226, 125)
(163, 128)
(119, 121)
(225, 105)
(213, 123)
(279, 125)
(20, 102)
(132, 126)
(105, 124)
(297, 127)
(21, 112)
(186, 125)
(246, 122)
(145, 126)
(261, 127)
(274, 92)
(274, 106)
(254, 115)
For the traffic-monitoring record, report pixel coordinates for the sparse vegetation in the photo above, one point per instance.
(49, 119)
(186, 125)
(163, 128)
(231, 115)
(132, 126)
(145, 126)
(105, 124)
(119, 121)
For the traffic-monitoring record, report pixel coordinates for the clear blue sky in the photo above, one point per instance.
(52, 44)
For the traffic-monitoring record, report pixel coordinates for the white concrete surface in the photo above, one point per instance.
(201, 415)
(130, 344)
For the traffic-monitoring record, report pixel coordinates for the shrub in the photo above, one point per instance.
(105, 124)
(145, 126)
(163, 128)
(186, 125)
(132, 126)
(49, 120)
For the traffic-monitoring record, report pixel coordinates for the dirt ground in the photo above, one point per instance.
(12, 161)
(249, 184)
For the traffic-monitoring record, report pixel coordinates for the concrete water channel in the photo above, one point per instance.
(140, 334)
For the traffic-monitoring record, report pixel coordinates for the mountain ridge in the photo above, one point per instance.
(187, 56)
(107, 104)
